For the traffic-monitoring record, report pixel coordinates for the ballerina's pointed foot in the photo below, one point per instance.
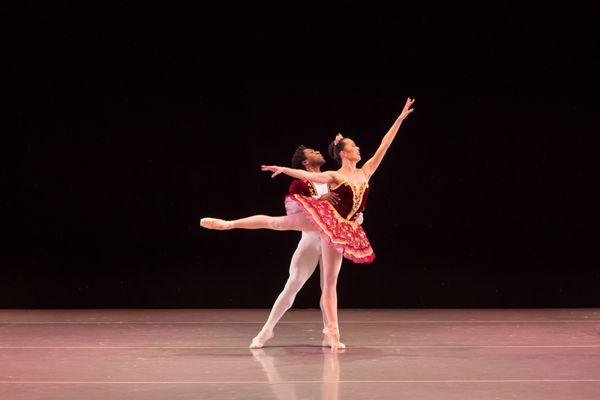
(259, 341)
(332, 335)
(327, 343)
(215, 223)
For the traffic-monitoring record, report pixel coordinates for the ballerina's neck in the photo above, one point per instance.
(354, 177)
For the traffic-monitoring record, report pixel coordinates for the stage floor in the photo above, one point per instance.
(170, 354)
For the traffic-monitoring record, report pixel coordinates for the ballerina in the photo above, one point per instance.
(341, 235)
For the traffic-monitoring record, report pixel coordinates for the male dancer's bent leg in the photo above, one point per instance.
(304, 263)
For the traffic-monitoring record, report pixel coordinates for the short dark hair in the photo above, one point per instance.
(298, 157)
(334, 150)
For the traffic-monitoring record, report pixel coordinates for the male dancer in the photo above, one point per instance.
(308, 252)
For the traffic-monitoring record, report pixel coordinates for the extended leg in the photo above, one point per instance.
(292, 222)
(304, 262)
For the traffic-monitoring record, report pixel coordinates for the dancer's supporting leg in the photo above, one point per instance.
(326, 339)
(292, 222)
(304, 262)
(332, 261)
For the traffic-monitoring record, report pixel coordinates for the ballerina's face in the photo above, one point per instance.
(351, 150)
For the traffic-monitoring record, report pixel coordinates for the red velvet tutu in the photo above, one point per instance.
(343, 234)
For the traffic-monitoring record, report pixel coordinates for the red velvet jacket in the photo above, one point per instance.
(302, 187)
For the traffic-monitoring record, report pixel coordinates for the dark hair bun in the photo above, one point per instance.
(334, 150)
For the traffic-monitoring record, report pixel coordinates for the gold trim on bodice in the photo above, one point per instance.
(356, 197)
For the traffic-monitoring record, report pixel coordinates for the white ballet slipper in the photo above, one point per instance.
(259, 340)
(327, 343)
(333, 335)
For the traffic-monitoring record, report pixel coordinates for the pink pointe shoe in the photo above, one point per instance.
(327, 342)
(215, 223)
(332, 338)
(259, 341)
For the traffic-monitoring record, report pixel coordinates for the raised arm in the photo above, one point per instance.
(371, 165)
(318, 177)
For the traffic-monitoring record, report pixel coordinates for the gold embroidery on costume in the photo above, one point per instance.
(342, 233)
(311, 188)
(356, 197)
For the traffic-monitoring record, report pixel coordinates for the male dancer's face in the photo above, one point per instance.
(313, 158)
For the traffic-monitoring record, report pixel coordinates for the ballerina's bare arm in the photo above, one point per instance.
(371, 165)
(318, 177)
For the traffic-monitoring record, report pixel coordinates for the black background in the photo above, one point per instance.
(131, 123)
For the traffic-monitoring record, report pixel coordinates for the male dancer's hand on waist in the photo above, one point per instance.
(331, 197)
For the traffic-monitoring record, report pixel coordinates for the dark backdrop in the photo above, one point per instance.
(132, 123)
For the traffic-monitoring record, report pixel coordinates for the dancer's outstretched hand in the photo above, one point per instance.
(273, 168)
(407, 110)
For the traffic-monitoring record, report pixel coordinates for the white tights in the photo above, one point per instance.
(303, 264)
(291, 222)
